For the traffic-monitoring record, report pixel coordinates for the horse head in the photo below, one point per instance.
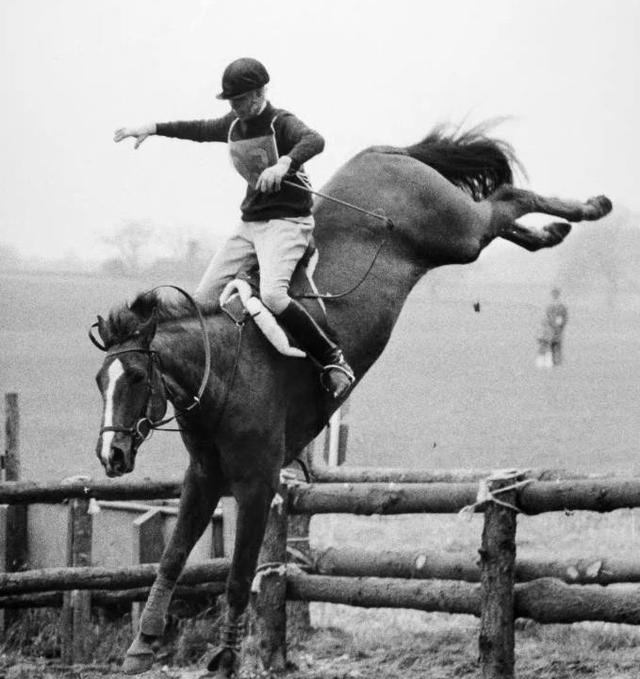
(133, 392)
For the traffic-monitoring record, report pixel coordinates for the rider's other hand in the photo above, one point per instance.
(271, 178)
(140, 133)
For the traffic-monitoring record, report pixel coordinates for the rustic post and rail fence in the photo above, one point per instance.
(498, 589)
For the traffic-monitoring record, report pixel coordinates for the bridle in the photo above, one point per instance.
(137, 430)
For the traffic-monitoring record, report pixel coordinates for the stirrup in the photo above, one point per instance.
(337, 378)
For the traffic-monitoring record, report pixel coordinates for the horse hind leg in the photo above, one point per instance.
(509, 203)
(535, 238)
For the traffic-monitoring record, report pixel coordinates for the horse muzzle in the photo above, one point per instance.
(117, 448)
(119, 461)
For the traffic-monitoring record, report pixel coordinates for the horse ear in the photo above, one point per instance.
(147, 330)
(103, 331)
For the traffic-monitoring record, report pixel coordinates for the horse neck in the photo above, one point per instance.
(181, 350)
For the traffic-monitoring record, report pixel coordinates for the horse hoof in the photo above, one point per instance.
(135, 664)
(224, 664)
(602, 204)
(557, 231)
(140, 656)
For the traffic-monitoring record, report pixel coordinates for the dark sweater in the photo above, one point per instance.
(293, 139)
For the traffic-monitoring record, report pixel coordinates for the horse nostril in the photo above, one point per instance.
(117, 459)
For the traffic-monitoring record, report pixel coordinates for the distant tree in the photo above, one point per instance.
(129, 242)
(113, 267)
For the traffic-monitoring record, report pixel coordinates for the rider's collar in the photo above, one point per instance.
(266, 113)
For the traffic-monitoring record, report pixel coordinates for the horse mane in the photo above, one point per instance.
(124, 319)
(469, 159)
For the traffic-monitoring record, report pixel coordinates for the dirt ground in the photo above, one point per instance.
(447, 650)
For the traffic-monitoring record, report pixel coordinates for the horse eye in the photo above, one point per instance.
(136, 376)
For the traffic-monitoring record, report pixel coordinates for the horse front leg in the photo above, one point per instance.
(254, 501)
(509, 203)
(200, 495)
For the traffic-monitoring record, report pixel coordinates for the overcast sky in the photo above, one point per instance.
(359, 71)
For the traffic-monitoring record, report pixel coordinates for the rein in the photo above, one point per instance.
(153, 355)
(389, 223)
(207, 359)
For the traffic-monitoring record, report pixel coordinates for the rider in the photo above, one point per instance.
(266, 145)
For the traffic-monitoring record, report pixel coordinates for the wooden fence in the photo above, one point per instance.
(553, 591)
(498, 589)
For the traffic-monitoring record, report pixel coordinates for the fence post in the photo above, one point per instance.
(271, 586)
(16, 555)
(343, 433)
(497, 579)
(13, 518)
(336, 436)
(76, 606)
(148, 545)
(11, 461)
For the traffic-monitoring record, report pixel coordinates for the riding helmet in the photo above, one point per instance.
(242, 76)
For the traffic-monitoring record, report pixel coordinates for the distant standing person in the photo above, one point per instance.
(553, 324)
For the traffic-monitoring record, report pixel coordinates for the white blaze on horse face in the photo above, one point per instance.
(113, 375)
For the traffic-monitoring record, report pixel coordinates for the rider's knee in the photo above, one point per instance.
(275, 299)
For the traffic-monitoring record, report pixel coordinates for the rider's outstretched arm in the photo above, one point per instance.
(216, 129)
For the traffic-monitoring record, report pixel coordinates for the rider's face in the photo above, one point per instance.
(247, 105)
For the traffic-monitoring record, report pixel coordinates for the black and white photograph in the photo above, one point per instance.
(320, 340)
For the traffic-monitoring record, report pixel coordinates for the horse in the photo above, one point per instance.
(448, 197)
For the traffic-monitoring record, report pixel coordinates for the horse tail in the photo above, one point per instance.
(469, 159)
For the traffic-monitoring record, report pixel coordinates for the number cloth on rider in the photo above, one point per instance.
(292, 138)
(251, 156)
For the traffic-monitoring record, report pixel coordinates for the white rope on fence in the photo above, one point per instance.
(488, 494)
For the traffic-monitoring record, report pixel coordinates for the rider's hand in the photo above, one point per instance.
(140, 133)
(269, 180)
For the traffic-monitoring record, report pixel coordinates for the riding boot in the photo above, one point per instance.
(337, 376)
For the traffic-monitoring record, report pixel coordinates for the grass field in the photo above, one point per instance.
(454, 389)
